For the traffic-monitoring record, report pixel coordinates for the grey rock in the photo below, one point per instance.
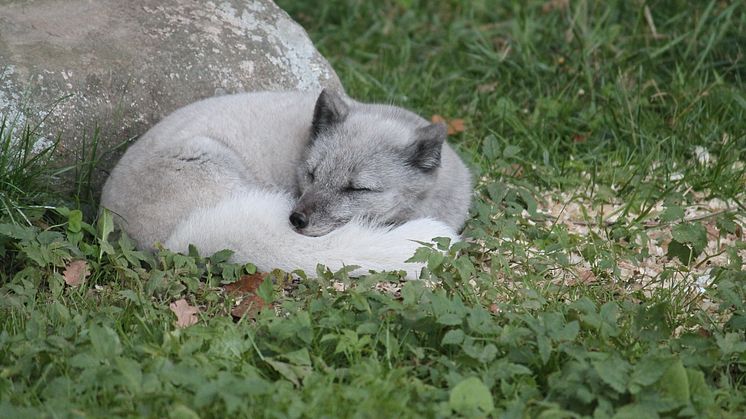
(77, 67)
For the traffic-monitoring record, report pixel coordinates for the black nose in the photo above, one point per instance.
(298, 219)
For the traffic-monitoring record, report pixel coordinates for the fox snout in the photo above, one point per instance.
(299, 220)
(301, 214)
(305, 210)
(311, 216)
(307, 223)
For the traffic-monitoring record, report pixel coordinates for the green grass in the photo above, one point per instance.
(25, 173)
(583, 104)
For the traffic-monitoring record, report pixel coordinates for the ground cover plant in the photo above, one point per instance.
(602, 273)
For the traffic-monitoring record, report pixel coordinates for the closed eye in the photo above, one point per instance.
(351, 188)
(311, 176)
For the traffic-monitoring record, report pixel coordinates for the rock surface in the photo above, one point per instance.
(77, 66)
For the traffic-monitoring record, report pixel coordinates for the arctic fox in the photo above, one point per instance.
(292, 179)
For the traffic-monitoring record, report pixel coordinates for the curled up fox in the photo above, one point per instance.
(292, 179)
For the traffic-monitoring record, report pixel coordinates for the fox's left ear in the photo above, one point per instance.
(330, 109)
(424, 152)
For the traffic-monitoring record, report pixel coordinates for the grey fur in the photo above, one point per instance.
(376, 162)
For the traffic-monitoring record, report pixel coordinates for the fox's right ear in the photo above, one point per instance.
(330, 109)
(424, 152)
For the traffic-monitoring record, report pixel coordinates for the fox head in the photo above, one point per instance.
(372, 162)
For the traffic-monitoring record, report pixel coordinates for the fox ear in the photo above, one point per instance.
(424, 152)
(330, 109)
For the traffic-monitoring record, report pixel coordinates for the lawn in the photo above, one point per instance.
(601, 275)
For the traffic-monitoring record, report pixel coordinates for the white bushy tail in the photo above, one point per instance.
(255, 226)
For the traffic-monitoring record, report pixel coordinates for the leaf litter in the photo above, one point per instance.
(455, 125)
(582, 216)
(76, 272)
(186, 315)
(245, 290)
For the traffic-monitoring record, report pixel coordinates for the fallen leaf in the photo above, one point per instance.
(487, 87)
(76, 272)
(579, 138)
(712, 232)
(246, 284)
(555, 5)
(186, 315)
(704, 332)
(586, 276)
(514, 170)
(454, 125)
(582, 276)
(437, 118)
(457, 125)
(249, 303)
(250, 306)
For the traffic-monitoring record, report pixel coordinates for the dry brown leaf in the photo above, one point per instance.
(457, 125)
(579, 138)
(487, 87)
(186, 315)
(247, 284)
(514, 170)
(582, 276)
(586, 276)
(712, 232)
(454, 125)
(555, 5)
(704, 332)
(249, 304)
(76, 272)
